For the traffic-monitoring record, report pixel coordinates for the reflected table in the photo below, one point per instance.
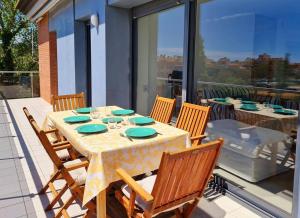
(250, 152)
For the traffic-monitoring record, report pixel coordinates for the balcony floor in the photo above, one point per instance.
(25, 166)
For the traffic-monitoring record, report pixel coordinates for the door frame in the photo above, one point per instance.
(148, 9)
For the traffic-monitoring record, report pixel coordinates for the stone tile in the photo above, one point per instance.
(227, 204)
(10, 201)
(208, 209)
(16, 210)
(10, 188)
(4, 164)
(242, 212)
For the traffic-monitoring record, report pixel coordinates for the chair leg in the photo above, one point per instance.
(178, 213)
(65, 207)
(187, 212)
(52, 179)
(57, 197)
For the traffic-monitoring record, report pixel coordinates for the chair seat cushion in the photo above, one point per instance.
(147, 184)
(80, 174)
(63, 154)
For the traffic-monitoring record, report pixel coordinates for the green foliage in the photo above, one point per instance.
(18, 39)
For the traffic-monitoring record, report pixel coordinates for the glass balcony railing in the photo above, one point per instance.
(19, 84)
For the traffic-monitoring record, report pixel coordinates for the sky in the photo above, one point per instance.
(237, 29)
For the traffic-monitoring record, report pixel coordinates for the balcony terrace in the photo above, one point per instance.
(25, 166)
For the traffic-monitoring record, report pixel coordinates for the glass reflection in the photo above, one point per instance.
(247, 68)
(160, 58)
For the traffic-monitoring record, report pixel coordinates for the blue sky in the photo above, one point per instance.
(237, 29)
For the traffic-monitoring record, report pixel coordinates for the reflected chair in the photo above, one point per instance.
(73, 172)
(193, 119)
(294, 144)
(181, 180)
(163, 109)
(68, 102)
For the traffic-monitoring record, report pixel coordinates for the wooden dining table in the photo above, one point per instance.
(111, 150)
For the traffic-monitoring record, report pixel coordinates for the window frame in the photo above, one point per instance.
(188, 95)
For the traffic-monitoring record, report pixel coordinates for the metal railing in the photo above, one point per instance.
(20, 84)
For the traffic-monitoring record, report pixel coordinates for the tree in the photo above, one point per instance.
(14, 33)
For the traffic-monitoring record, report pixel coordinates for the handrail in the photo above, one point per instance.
(247, 86)
(13, 72)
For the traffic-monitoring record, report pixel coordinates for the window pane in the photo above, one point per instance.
(247, 67)
(160, 57)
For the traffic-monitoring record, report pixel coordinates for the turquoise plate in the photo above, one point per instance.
(77, 119)
(116, 119)
(249, 107)
(140, 132)
(220, 99)
(274, 106)
(122, 112)
(248, 102)
(91, 128)
(284, 112)
(141, 120)
(84, 110)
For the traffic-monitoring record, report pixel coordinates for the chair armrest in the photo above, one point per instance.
(134, 185)
(77, 165)
(193, 138)
(57, 144)
(62, 147)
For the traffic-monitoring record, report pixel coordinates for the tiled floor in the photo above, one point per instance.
(21, 178)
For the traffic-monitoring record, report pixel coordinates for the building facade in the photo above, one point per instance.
(221, 53)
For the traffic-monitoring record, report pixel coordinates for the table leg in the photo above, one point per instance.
(101, 204)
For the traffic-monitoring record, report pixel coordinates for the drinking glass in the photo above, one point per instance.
(94, 113)
(112, 123)
(107, 111)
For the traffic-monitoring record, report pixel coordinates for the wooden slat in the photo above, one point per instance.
(193, 118)
(163, 109)
(68, 102)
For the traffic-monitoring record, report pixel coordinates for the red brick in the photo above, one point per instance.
(47, 60)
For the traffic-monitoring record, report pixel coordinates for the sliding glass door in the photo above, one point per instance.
(159, 58)
(247, 68)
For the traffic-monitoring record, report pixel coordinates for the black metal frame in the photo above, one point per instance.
(88, 63)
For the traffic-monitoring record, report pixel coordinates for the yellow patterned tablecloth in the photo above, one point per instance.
(109, 151)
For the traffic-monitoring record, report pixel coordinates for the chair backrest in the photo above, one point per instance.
(44, 139)
(193, 118)
(183, 176)
(68, 102)
(29, 118)
(162, 110)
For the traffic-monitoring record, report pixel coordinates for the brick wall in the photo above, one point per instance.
(47, 60)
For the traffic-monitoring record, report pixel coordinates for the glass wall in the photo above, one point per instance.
(19, 84)
(159, 57)
(247, 68)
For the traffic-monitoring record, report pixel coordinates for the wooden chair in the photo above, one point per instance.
(68, 102)
(163, 109)
(193, 118)
(63, 150)
(73, 172)
(181, 180)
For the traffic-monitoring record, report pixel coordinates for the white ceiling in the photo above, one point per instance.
(127, 3)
